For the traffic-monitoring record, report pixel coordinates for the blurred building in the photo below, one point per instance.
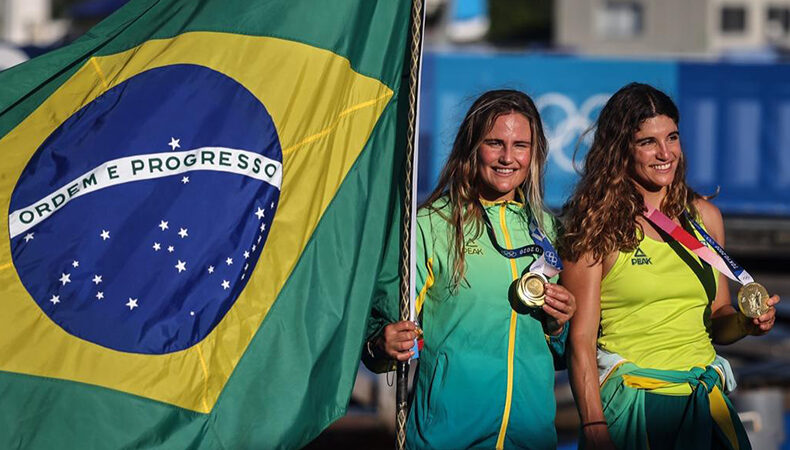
(29, 22)
(674, 27)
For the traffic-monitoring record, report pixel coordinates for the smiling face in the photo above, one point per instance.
(504, 156)
(656, 154)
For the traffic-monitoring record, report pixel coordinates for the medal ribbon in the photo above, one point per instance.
(720, 259)
(526, 250)
(548, 263)
(739, 272)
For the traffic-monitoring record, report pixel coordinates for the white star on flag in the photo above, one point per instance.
(29, 237)
(225, 284)
(185, 180)
(75, 264)
(174, 143)
(97, 279)
(105, 235)
(272, 205)
(183, 233)
(210, 269)
(163, 225)
(254, 247)
(181, 266)
(263, 226)
(65, 278)
(246, 254)
(229, 261)
(55, 299)
(132, 303)
(259, 213)
(170, 248)
(100, 295)
(157, 246)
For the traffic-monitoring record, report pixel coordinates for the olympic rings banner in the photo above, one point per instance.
(569, 93)
(734, 117)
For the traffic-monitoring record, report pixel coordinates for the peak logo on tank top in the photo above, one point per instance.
(640, 258)
(471, 248)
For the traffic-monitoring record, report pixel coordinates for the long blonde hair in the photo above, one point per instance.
(459, 182)
(601, 215)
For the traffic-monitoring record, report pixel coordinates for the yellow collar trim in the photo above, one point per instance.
(519, 195)
(487, 203)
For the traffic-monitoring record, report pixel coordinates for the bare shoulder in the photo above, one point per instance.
(585, 266)
(711, 218)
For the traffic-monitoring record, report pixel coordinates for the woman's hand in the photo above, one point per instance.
(397, 340)
(597, 437)
(559, 307)
(763, 324)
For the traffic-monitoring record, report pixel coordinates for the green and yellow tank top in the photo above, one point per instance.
(655, 307)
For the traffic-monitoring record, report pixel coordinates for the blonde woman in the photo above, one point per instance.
(486, 373)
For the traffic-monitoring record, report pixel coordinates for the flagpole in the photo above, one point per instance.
(409, 210)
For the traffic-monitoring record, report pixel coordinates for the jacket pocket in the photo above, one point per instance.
(437, 408)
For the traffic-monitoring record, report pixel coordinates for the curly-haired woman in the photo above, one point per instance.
(486, 374)
(643, 368)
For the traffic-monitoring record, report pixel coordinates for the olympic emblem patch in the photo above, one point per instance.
(551, 258)
(138, 222)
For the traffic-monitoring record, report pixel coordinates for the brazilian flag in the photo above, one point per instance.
(201, 197)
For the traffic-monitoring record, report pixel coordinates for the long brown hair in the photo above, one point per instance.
(459, 181)
(601, 215)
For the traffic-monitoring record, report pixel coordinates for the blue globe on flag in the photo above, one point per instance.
(138, 222)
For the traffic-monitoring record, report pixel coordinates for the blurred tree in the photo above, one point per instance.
(519, 22)
(60, 8)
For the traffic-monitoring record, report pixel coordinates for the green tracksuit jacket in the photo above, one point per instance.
(486, 373)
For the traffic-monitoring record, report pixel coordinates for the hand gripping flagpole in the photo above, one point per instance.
(409, 210)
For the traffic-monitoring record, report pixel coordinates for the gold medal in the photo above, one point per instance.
(753, 300)
(530, 289)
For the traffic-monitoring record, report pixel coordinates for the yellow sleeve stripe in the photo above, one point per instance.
(647, 383)
(718, 406)
(721, 414)
(428, 283)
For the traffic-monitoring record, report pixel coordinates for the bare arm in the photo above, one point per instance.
(559, 307)
(728, 324)
(583, 279)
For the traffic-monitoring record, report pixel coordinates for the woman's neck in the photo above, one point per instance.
(488, 195)
(653, 198)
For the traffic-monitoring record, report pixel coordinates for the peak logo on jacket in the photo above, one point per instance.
(471, 248)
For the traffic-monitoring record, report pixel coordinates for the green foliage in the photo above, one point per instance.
(520, 21)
